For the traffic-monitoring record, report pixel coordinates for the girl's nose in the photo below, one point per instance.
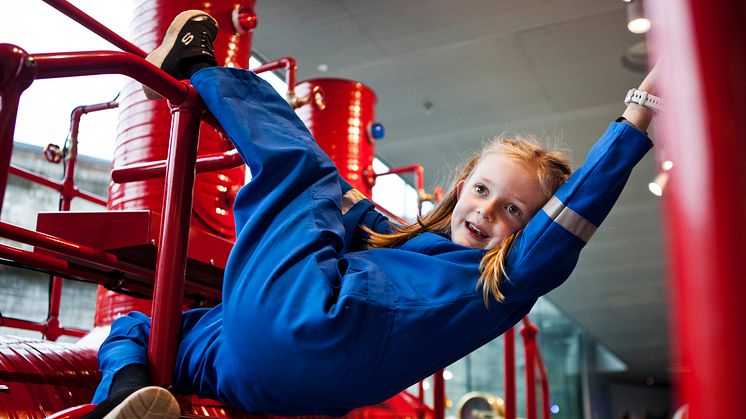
(487, 210)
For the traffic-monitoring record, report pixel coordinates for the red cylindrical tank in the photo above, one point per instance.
(144, 126)
(342, 128)
(40, 377)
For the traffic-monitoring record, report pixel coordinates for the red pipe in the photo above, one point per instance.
(95, 26)
(509, 356)
(174, 236)
(16, 75)
(150, 170)
(52, 323)
(66, 247)
(50, 183)
(529, 347)
(545, 394)
(88, 63)
(59, 266)
(69, 191)
(419, 173)
(702, 80)
(41, 327)
(439, 396)
(287, 63)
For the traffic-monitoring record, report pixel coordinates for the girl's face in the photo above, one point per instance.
(499, 198)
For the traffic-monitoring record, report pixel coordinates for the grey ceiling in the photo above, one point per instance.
(551, 67)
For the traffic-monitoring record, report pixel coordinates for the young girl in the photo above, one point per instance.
(313, 321)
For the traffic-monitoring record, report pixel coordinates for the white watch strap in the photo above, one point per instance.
(644, 99)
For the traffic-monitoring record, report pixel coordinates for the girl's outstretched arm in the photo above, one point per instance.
(546, 252)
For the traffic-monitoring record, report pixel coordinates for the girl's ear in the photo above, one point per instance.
(459, 187)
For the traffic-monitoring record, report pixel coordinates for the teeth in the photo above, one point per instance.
(476, 230)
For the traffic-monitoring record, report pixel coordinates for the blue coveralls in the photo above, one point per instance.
(312, 324)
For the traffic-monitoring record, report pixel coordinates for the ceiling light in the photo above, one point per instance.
(659, 183)
(636, 20)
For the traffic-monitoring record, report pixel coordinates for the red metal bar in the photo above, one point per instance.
(16, 75)
(419, 174)
(79, 193)
(88, 63)
(95, 26)
(76, 250)
(545, 394)
(509, 356)
(174, 236)
(287, 63)
(40, 327)
(41, 180)
(702, 78)
(529, 347)
(50, 183)
(62, 267)
(439, 396)
(150, 170)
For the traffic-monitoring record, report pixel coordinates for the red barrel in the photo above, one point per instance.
(144, 126)
(39, 378)
(343, 127)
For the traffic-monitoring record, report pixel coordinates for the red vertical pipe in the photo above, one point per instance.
(439, 396)
(173, 239)
(16, 75)
(529, 347)
(546, 413)
(509, 356)
(53, 330)
(703, 79)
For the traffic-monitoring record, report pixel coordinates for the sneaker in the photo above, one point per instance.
(186, 48)
(147, 403)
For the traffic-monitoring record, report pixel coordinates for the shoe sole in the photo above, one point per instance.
(158, 55)
(147, 403)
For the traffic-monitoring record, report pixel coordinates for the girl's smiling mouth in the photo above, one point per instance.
(476, 231)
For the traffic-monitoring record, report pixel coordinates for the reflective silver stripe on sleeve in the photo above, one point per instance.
(569, 219)
(350, 198)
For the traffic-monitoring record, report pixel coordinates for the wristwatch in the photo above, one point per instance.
(644, 99)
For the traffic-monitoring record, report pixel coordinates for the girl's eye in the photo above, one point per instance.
(480, 189)
(513, 209)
